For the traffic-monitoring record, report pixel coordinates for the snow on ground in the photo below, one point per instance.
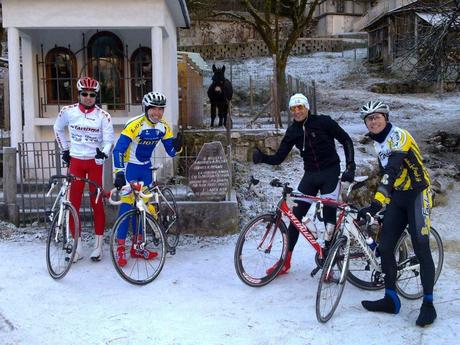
(198, 298)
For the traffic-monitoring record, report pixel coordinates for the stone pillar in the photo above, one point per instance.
(28, 87)
(14, 75)
(10, 187)
(107, 178)
(157, 59)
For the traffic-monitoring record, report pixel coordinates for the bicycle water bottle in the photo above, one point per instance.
(371, 243)
(311, 226)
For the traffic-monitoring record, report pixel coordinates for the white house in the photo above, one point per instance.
(130, 46)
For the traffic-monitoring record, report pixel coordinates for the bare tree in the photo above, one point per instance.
(264, 17)
(431, 50)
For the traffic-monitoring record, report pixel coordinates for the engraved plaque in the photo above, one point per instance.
(209, 174)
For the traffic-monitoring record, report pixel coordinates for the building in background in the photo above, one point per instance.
(129, 46)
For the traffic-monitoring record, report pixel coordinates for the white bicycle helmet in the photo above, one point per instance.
(154, 99)
(372, 107)
(299, 99)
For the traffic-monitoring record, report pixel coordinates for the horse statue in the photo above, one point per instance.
(220, 93)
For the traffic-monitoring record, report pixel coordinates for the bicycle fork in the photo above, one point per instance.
(269, 227)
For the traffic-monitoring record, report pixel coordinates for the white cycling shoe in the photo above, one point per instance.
(79, 253)
(96, 255)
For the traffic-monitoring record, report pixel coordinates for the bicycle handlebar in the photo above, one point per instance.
(132, 186)
(69, 178)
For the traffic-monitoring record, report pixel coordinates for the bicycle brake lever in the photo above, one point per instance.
(98, 195)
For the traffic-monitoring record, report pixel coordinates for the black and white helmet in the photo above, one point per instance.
(372, 107)
(154, 99)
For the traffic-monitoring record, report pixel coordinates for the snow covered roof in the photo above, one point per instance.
(435, 19)
(197, 60)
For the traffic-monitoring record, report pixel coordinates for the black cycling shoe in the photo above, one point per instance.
(427, 314)
(386, 305)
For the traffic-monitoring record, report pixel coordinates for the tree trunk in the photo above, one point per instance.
(281, 85)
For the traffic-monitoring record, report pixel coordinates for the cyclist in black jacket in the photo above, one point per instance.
(314, 136)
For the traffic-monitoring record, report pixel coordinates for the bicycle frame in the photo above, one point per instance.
(351, 229)
(62, 197)
(288, 201)
(140, 204)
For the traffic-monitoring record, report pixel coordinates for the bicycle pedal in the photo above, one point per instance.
(313, 273)
(172, 251)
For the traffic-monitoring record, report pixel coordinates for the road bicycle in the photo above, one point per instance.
(61, 244)
(263, 242)
(144, 234)
(352, 259)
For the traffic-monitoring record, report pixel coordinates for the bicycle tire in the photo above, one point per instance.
(168, 218)
(251, 260)
(139, 271)
(408, 283)
(332, 281)
(59, 252)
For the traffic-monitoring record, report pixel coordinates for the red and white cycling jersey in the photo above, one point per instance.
(88, 130)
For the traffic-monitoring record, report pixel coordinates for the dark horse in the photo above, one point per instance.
(220, 93)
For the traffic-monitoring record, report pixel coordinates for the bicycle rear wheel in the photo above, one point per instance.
(169, 218)
(140, 240)
(262, 244)
(332, 281)
(61, 246)
(409, 284)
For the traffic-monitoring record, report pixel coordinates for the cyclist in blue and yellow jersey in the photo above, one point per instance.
(132, 158)
(405, 190)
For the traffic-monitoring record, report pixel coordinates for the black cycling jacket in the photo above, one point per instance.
(314, 137)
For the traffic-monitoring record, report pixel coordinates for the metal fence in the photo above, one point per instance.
(38, 161)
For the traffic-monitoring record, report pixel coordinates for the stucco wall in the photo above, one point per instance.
(45, 24)
(83, 13)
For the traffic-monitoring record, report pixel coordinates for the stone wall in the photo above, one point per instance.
(256, 48)
(243, 141)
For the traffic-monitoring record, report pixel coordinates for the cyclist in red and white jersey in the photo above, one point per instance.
(91, 138)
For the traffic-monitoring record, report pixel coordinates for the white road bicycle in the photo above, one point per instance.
(61, 244)
(351, 258)
(141, 231)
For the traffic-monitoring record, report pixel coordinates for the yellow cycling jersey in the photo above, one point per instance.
(138, 140)
(402, 165)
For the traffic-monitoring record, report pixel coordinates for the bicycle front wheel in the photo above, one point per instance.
(61, 246)
(332, 281)
(409, 284)
(261, 250)
(140, 256)
(169, 218)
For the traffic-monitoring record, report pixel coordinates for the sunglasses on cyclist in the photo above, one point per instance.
(88, 94)
(372, 117)
(297, 107)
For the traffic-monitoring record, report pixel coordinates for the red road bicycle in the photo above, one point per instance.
(263, 242)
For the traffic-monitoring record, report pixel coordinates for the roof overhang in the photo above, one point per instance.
(180, 12)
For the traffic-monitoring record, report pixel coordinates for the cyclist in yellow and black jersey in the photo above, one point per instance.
(401, 162)
(405, 191)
